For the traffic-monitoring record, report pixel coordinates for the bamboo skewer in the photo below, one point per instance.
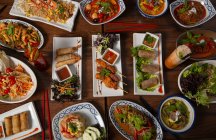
(122, 89)
(121, 74)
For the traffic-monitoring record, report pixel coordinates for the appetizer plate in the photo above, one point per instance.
(61, 42)
(138, 40)
(85, 2)
(35, 126)
(28, 70)
(141, 109)
(213, 62)
(26, 25)
(87, 110)
(99, 89)
(210, 12)
(68, 26)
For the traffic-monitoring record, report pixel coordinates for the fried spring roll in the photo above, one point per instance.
(24, 118)
(66, 57)
(16, 123)
(63, 51)
(67, 62)
(151, 68)
(149, 83)
(8, 126)
(147, 54)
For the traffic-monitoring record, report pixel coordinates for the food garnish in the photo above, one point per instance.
(51, 10)
(67, 90)
(175, 114)
(135, 123)
(198, 83)
(99, 11)
(93, 133)
(104, 41)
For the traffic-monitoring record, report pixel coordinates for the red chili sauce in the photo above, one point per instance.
(110, 57)
(191, 13)
(63, 73)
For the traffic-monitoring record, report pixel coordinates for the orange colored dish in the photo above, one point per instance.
(110, 57)
(152, 7)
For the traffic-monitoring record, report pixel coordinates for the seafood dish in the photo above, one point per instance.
(175, 114)
(16, 123)
(190, 12)
(107, 77)
(66, 69)
(147, 68)
(152, 7)
(18, 34)
(51, 10)
(197, 82)
(201, 43)
(14, 81)
(99, 11)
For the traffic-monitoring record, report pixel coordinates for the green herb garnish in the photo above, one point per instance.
(105, 5)
(104, 72)
(73, 128)
(10, 30)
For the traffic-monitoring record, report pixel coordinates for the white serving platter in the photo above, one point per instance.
(62, 42)
(26, 25)
(29, 71)
(35, 126)
(99, 89)
(68, 26)
(138, 40)
(86, 110)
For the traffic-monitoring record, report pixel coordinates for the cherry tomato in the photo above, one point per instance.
(6, 91)
(8, 70)
(12, 80)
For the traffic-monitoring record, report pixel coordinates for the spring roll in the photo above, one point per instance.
(147, 54)
(24, 118)
(16, 123)
(67, 62)
(8, 126)
(151, 68)
(66, 57)
(149, 83)
(63, 51)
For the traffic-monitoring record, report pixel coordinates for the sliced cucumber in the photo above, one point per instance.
(98, 133)
(92, 134)
(86, 136)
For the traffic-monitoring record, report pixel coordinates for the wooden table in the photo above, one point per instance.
(205, 125)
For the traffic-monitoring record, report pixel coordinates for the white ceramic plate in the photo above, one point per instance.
(213, 62)
(26, 25)
(33, 121)
(68, 26)
(62, 42)
(99, 89)
(141, 109)
(138, 40)
(28, 70)
(87, 110)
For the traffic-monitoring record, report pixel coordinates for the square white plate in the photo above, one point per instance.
(34, 121)
(138, 40)
(68, 26)
(62, 42)
(97, 86)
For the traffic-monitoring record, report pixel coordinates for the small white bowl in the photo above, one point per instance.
(64, 66)
(210, 12)
(108, 49)
(153, 35)
(190, 109)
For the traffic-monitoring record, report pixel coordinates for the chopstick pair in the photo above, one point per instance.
(131, 26)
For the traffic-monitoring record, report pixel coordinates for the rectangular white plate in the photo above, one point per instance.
(137, 40)
(34, 120)
(106, 92)
(62, 42)
(68, 26)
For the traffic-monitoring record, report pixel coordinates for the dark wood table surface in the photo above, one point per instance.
(205, 125)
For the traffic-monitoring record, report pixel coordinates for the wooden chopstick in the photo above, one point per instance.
(48, 111)
(43, 116)
(133, 24)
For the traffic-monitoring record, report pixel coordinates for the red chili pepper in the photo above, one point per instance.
(6, 91)
(148, 7)
(100, 16)
(118, 111)
(35, 44)
(8, 70)
(160, 89)
(26, 40)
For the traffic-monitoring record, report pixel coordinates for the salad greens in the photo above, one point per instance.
(139, 62)
(199, 82)
(190, 38)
